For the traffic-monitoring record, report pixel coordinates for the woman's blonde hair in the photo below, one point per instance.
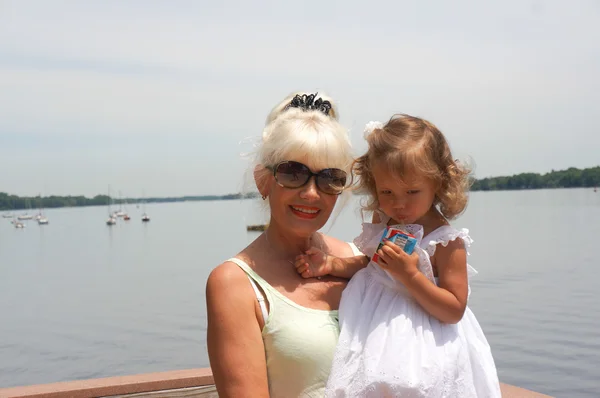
(410, 146)
(315, 134)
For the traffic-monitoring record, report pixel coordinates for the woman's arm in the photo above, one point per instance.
(235, 345)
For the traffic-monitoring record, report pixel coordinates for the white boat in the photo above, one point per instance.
(124, 211)
(40, 217)
(8, 215)
(112, 216)
(120, 212)
(19, 224)
(145, 217)
(26, 215)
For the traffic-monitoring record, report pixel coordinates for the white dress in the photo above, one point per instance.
(390, 347)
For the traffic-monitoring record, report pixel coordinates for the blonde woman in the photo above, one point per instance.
(272, 332)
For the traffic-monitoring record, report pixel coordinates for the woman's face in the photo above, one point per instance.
(303, 210)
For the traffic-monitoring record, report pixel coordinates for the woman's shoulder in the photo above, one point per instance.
(226, 276)
(229, 294)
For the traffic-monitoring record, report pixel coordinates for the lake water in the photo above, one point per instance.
(79, 299)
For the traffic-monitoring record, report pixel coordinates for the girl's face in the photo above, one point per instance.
(406, 201)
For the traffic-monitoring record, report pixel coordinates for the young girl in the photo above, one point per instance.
(405, 328)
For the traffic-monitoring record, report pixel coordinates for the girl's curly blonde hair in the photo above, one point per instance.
(411, 146)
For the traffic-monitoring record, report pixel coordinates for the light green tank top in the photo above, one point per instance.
(299, 343)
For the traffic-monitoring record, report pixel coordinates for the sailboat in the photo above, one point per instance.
(26, 215)
(39, 206)
(120, 212)
(145, 217)
(112, 219)
(18, 224)
(124, 213)
(41, 219)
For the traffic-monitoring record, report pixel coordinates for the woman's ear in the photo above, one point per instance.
(261, 179)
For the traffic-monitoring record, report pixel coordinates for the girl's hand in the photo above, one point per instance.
(314, 263)
(399, 264)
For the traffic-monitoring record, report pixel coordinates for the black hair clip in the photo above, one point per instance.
(308, 102)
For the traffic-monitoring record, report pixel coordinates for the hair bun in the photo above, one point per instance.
(308, 102)
(372, 126)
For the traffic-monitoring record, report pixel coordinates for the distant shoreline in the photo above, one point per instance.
(570, 178)
(13, 202)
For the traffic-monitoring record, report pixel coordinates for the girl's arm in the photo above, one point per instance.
(348, 266)
(447, 302)
(235, 347)
(315, 263)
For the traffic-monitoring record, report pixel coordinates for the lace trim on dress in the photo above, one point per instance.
(443, 236)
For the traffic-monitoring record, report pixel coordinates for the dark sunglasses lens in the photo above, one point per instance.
(332, 181)
(292, 174)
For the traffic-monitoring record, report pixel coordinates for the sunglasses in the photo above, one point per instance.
(290, 174)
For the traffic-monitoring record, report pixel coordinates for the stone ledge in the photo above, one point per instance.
(176, 383)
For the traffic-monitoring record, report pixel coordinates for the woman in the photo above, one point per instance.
(270, 331)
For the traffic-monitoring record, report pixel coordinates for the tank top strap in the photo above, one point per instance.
(355, 250)
(268, 289)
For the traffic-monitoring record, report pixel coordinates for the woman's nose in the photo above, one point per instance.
(310, 190)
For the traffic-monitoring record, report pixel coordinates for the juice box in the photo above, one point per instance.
(403, 239)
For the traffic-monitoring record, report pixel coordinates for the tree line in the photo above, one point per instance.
(13, 202)
(570, 178)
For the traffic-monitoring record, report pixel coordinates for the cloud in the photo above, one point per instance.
(512, 79)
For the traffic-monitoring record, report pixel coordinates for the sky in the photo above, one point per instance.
(164, 98)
